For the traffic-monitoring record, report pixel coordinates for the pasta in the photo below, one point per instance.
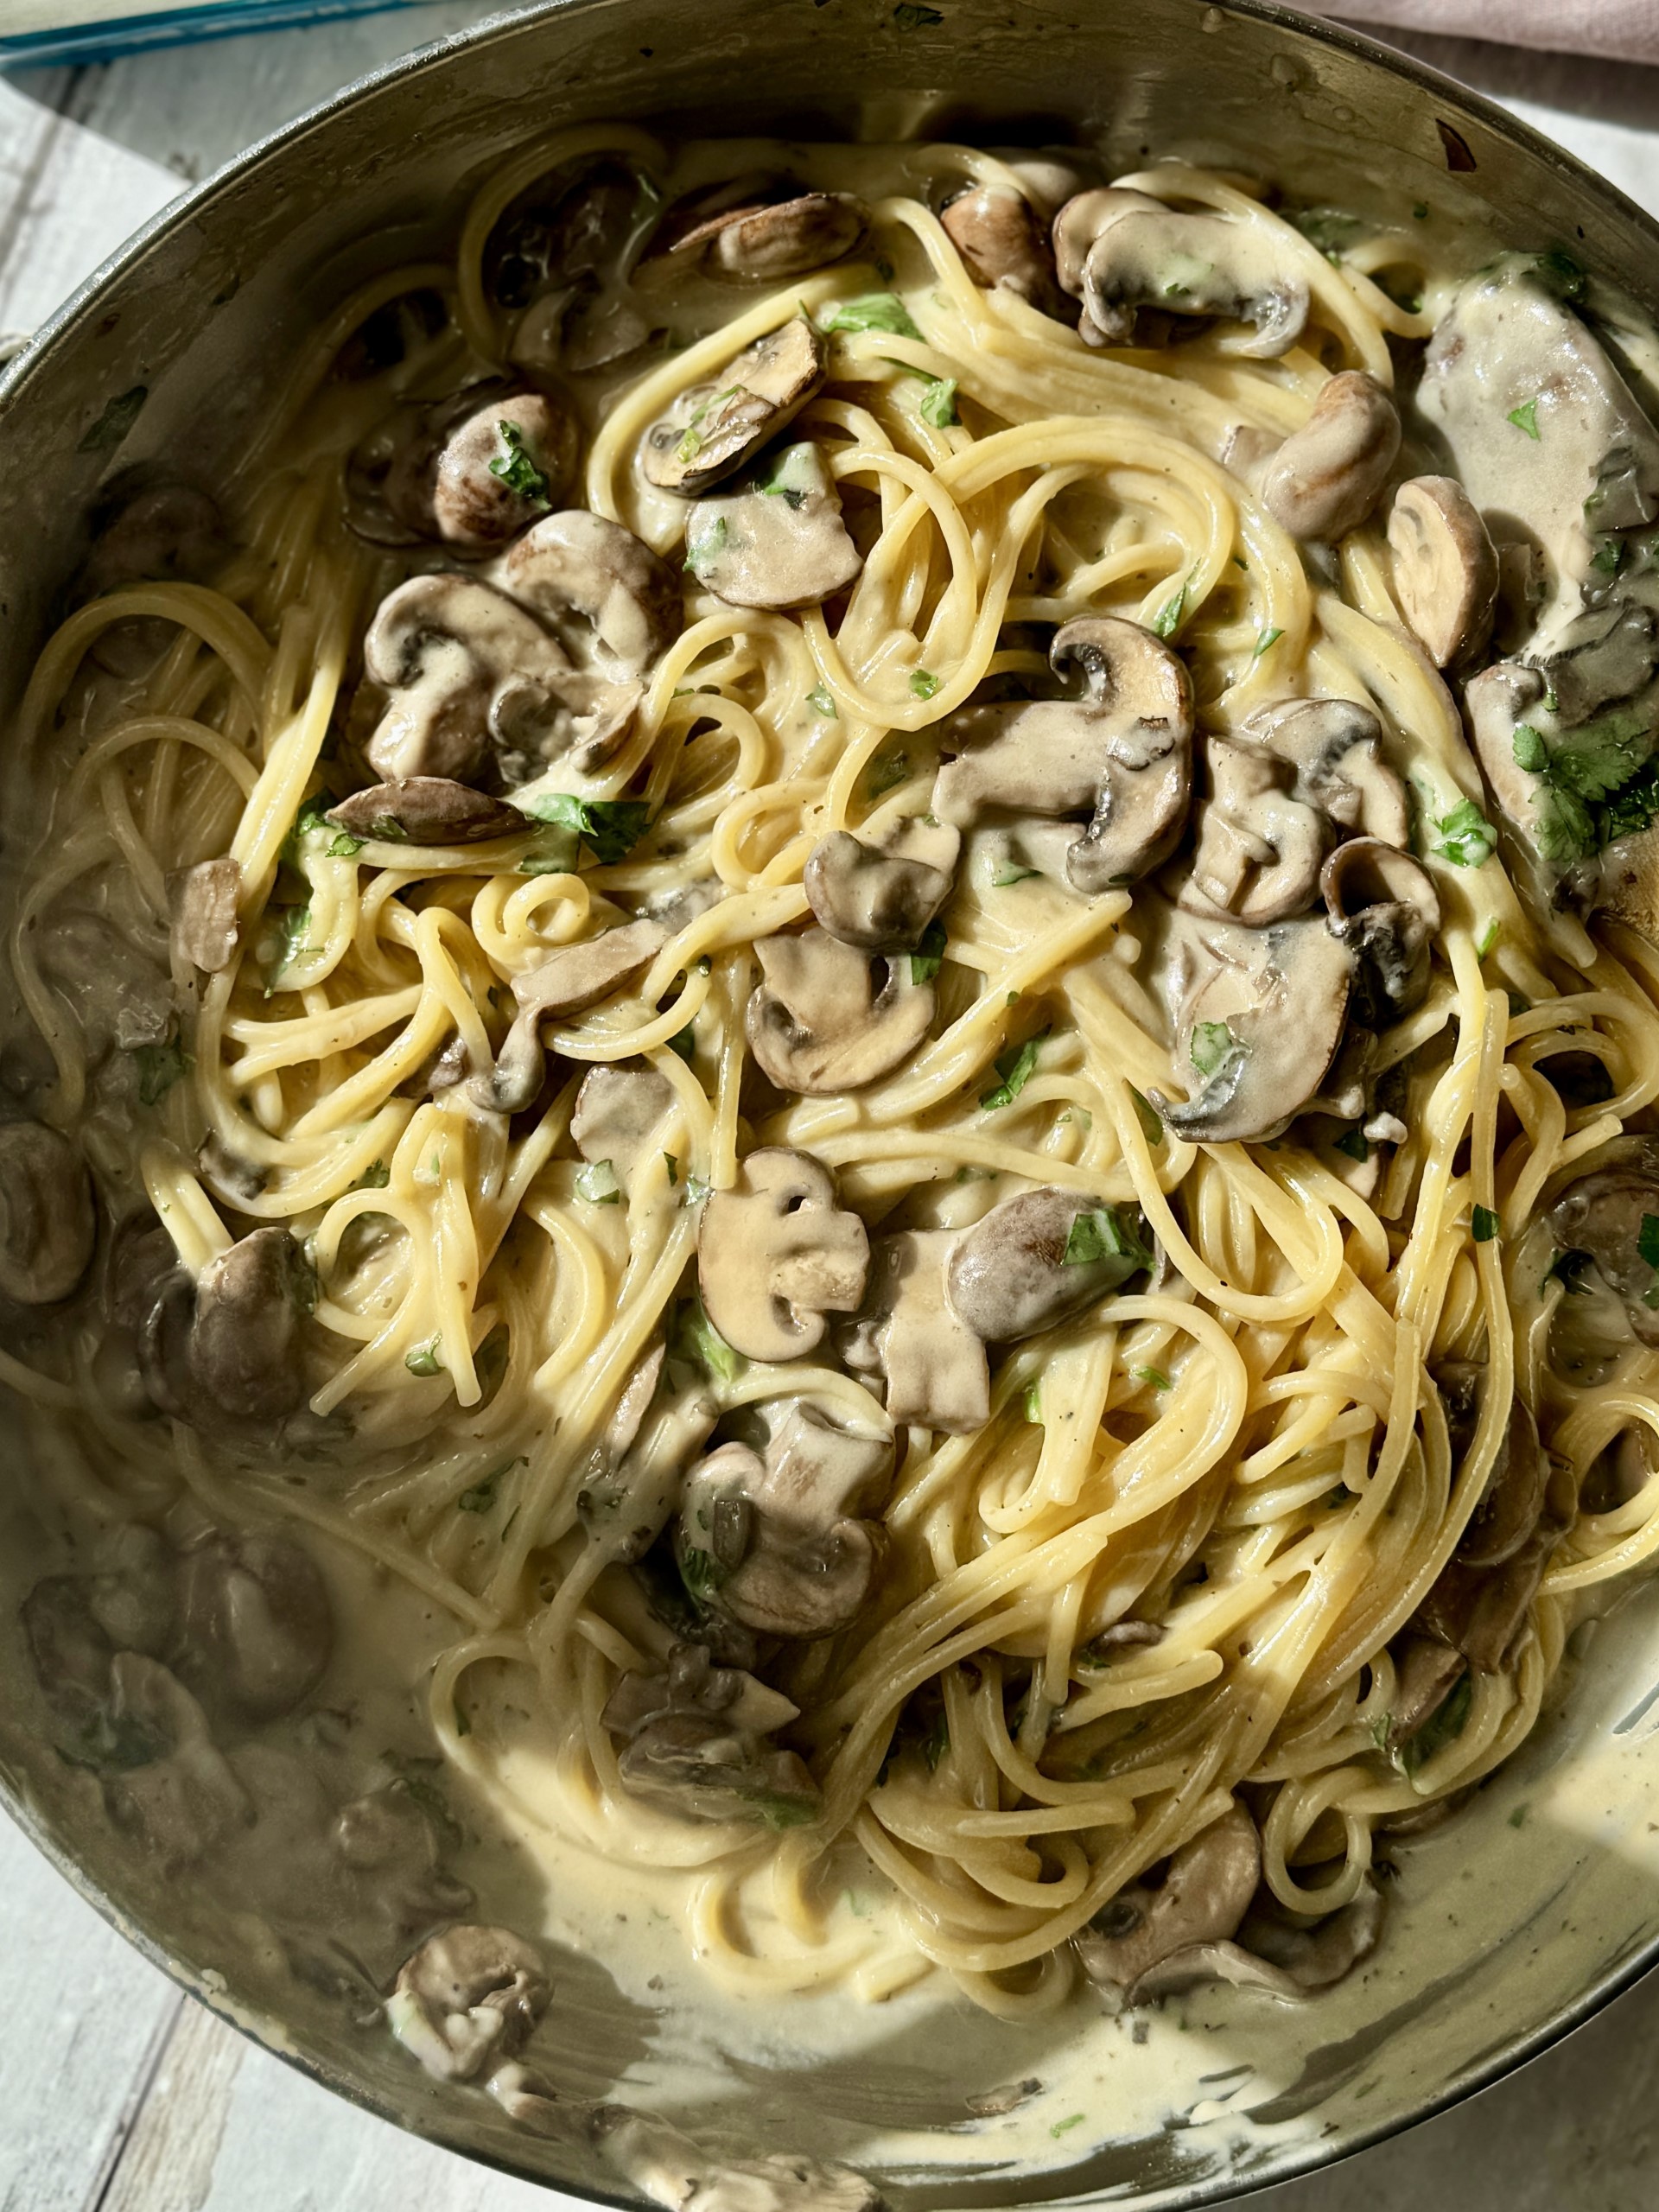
(1215, 1543)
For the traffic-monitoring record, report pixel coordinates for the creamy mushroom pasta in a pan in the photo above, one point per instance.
(864, 955)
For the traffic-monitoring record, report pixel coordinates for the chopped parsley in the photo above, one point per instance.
(925, 961)
(685, 1042)
(1526, 419)
(1353, 1143)
(699, 1340)
(1596, 786)
(936, 1742)
(1485, 1224)
(1210, 1043)
(1168, 619)
(1647, 1241)
(375, 1177)
(908, 16)
(1441, 1727)
(673, 1167)
(516, 467)
(1467, 838)
(1032, 1399)
(1558, 272)
(709, 545)
(1154, 1377)
(819, 699)
(1268, 638)
(925, 684)
(1100, 1235)
(938, 404)
(610, 828)
(871, 311)
(696, 1190)
(1071, 2120)
(597, 1183)
(1008, 872)
(481, 1497)
(1152, 1124)
(1014, 1069)
(160, 1066)
(886, 772)
(425, 1360)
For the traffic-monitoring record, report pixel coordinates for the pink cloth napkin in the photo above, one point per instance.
(1620, 30)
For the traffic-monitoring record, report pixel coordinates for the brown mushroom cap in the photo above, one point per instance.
(822, 1022)
(1120, 251)
(1260, 849)
(246, 1337)
(602, 587)
(255, 1626)
(774, 537)
(516, 437)
(204, 900)
(1326, 477)
(1444, 567)
(426, 811)
(763, 390)
(1513, 1500)
(1384, 907)
(1009, 1277)
(1121, 752)
(1004, 243)
(567, 981)
(1203, 1897)
(469, 671)
(776, 1254)
(697, 1743)
(466, 1997)
(770, 241)
(934, 1365)
(47, 1222)
(876, 900)
(618, 1116)
(1601, 1213)
(1335, 748)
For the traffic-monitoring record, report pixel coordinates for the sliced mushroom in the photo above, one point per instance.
(821, 1021)
(470, 470)
(780, 1543)
(1426, 1672)
(1121, 251)
(1601, 1213)
(1480, 1610)
(466, 1997)
(1004, 243)
(175, 1793)
(204, 900)
(618, 1116)
(934, 1365)
(1277, 1953)
(771, 240)
(774, 537)
(1121, 753)
(1335, 747)
(1258, 1015)
(246, 1342)
(1260, 849)
(1326, 477)
(1383, 907)
(1015, 1273)
(47, 1222)
(568, 981)
(1445, 568)
(697, 1743)
(1203, 1897)
(611, 600)
(669, 2169)
(254, 1628)
(776, 1254)
(880, 899)
(426, 810)
(116, 993)
(634, 1480)
(717, 428)
(470, 672)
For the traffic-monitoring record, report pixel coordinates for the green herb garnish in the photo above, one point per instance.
(597, 1183)
(1484, 1223)
(516, 466)
(1154, 1377)
(937, 404)
(908, 16)
(1445, 1723)
(885, 773)
(1014, 1068)
(698, 1338)
(425, 1360)
(1267, 638)
(1526, 419)
(1467, 838)
(1100, 1235)
(871, 311)
(160, 1066)
(1210, 1043)
(610, 828)
(822, 702)
(1168, 619)
(925, 961)
(924, 684)
(1353, 1143)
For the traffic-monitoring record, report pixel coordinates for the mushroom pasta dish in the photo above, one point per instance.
(842, 1014)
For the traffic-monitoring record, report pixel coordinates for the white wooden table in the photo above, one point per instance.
(117, 2092)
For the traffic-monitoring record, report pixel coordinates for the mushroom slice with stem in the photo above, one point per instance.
(243, 1354)
(254, 1628)
(717, 428)
(1335, 747)
(1203, 1897)
(1602, 1212)
(1120, 251)
(1258, 1015)
(1513, 1501)
(1260, 849)
(634, 1480)
(821, 1021)
(933, 1363)
(426, 811)
(881, 899)
(204, 900)
(1037, 1259)
(697, 1743)
(47, 1222)
(1445, 568)
(774, 537)
(568, 981)
(1425, 1672)
(1280, 1953)
(1326, 477)
(470, 470)
(466, 1997)
(779, 1542)
(618, 1116)
(776, 1254)
(471, 673)
(611, 601)
(1004, 244)
(772, 240)
(1121, 753)
(1383, 907)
